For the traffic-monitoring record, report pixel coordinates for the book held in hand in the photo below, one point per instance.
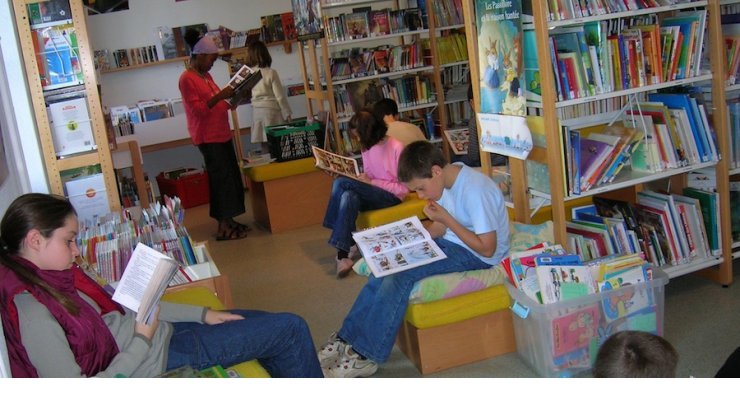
(243, 82)
(335, 163)
(397, 246)
(144, 280)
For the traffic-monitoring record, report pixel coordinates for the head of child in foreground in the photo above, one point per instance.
(635, 354)
(420, 168)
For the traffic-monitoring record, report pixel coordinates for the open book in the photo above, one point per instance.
(459, 140)
(333, 162)
(397, 246)
(144, 280)
(242, 82)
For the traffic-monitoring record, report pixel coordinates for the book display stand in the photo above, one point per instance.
(61, 79)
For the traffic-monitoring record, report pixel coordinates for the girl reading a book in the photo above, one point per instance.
(207, 114)
(269, 102)
(58, 322)
(376, 188)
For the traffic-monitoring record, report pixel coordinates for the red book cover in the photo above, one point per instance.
(379, 23)
(288, 26)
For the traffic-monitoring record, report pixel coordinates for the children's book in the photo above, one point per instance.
(458, 139)
(563, 282)
(144, 280)
(397, 246)
(335, 163)
(575, 330)
(243, 82)
(627, 299)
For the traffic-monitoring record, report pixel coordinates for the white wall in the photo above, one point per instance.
(27, 172)
(135, 28)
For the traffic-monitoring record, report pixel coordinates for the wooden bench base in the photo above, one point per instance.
(446, 346)
(290, 202)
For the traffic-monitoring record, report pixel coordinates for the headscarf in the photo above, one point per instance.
(205, 45)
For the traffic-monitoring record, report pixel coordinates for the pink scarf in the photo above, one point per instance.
(89, 338)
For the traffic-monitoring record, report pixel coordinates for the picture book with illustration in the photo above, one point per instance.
(335, 163)
(243, 82)
(397, 246)
(575, 330)
(458, 139)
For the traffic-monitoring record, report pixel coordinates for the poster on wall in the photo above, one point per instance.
(508, 135)
(307, 19)
(499, 24)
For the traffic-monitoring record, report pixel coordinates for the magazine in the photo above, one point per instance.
(397, 246)
(335, 163)
(459, 140)
(242, 82)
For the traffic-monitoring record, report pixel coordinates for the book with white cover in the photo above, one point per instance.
(144, 280)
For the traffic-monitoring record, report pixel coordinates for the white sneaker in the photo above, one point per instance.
(350, 365)
(330, 352)
(344, 266)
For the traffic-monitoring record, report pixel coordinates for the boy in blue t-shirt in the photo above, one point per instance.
(469, 223)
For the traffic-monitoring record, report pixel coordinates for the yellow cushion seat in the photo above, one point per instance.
(277, 170)
(459, 308)
(203, 297)
(410, 206)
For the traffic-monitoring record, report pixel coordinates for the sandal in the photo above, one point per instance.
(232, 233)
(240, 227)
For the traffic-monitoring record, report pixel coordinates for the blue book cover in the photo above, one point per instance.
(681, 101)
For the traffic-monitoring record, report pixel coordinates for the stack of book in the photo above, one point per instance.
(364, 22)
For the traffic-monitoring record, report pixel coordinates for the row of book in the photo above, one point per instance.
(605, 56)
(731, 33)
(407, 91)
(364, 22)
(570, 9)
(109, 242)
(124, 118)
(705, 179)
(277, 27)
(666, 228)
(358, 62)
(672, 130)
(105, 60)
(734, 125)
(450, 48)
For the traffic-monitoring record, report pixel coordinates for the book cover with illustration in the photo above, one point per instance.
(575, 330)
(500, 53)
(627, 296)
(335, 163)
(307, 19)
(397, 246)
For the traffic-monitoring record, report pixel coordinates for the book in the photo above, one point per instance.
(243, 82)
(335, 163)
(398, 246)
(144, 280)
(575, 330)
(458, 139)
(628, 300)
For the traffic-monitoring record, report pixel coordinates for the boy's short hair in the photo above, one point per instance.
(384, 107)
(417, 159)
(635, 354)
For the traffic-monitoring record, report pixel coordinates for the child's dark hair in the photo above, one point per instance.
(417, 159)
(635, 354)
(45, 213)
(369, 128)
(258, 55)
(384, 107)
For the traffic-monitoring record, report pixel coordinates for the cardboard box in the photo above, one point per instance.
(561, 339)
(191, 188)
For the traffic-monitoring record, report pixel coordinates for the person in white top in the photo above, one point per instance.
(269, 101)
(404, 132)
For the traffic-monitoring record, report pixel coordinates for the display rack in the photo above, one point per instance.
(79, 58)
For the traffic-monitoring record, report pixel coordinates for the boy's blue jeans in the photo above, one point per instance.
(373, 322)
(280, 341)
(348, 198)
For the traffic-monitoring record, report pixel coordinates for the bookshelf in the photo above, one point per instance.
(731, 30)
(628, 184)
(61, 75)
(416, 85)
